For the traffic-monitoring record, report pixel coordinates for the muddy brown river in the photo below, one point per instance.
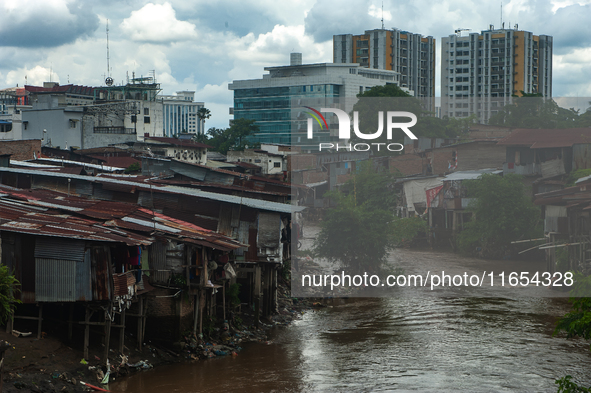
(406, 343)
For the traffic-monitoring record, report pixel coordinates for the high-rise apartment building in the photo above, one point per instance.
(480, 72)
(412, 55)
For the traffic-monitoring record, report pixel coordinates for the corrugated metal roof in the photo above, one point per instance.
(547, 138)
(255, 203)
(467, 175)
(22, 218)
(82, 164)
(177, 142)
(122, 218)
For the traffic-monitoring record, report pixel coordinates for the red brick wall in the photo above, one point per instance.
(477, 155)
(471, 156)
(314, 177)
(407, 164)
(301, 161)
(21, 150)
(478, 131)
(342, 179)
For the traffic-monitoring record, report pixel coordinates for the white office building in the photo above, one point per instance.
(180, 114)
(274, 101)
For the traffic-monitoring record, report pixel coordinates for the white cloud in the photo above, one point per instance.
(557, 4)
(274, 47)
(379, 13)
(217, 42)
(35, 76)
(157, 23)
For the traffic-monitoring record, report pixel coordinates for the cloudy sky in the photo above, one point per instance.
(204, 45)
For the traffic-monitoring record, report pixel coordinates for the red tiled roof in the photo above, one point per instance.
(177, 142)
(85, 90)
(547, 138)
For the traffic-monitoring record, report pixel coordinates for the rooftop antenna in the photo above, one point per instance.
(502, 24)
(108, 79)
(382, 15)
(108, 65)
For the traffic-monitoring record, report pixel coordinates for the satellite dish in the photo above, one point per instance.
(109, 81)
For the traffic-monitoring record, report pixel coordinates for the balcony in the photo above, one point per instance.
(114, 130)
(525, 170)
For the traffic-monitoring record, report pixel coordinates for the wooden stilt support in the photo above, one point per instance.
(257, 296)
(144, 316)
(201, 304)
(107, 335)
(224, 298)
(86, 331)
(140, 322)
(71, 322)
(40, 321)
(10, 323)
(122, 331)
(195, 314)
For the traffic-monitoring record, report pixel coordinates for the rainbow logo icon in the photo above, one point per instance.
(316, 117)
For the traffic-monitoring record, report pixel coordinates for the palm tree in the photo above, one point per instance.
(203, 113)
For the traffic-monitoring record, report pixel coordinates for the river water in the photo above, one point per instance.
(461, 343)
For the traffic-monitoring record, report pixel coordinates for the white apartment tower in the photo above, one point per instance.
(412, 55)
(480, 72)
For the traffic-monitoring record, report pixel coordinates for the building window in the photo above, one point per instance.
(146, 112)
(147, 119)
(276, 165)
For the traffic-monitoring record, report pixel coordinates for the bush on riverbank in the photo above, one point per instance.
(356, 232)
(502, 213)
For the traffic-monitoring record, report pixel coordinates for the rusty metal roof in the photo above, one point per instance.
(251, 202)
(547, 138)
(23, 217)
(49, 213)
(177, 142)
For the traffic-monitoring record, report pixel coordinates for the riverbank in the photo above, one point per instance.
(50, 364)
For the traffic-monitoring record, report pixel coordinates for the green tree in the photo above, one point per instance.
(368, 186)
(576, 323)
(535, 111)
(203, 113)
(356, 231)
(233, 138)
(393, 98)
(8, 285)
(502, 213)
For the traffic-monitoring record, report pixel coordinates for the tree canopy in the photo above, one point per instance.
(233, 138)
(535, 111)
(203, 113)
(576, 323)
(502, 213)
(356, 231)
(393, 98)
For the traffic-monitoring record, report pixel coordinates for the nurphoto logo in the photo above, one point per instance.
(345, 129)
